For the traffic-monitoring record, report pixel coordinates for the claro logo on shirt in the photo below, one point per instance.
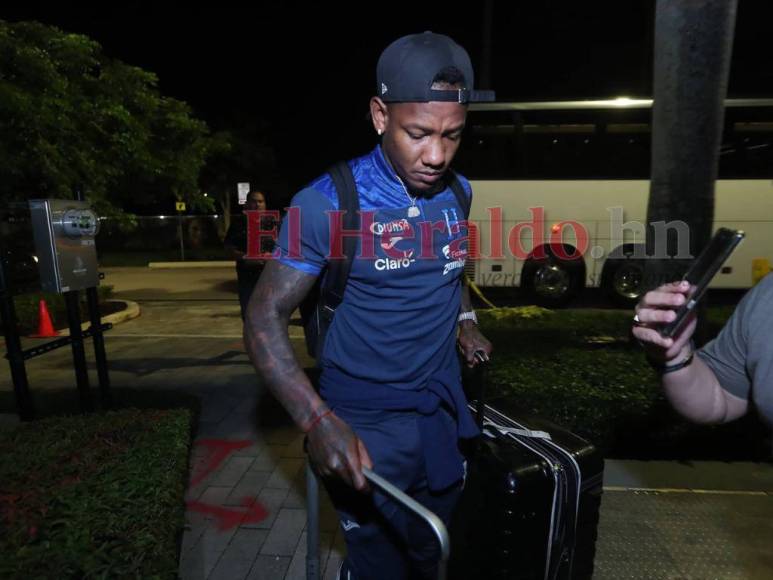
(395, 263)
(390, 264)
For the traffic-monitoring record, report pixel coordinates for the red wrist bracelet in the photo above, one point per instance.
(317, 419)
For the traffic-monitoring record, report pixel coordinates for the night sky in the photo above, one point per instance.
(300, 75)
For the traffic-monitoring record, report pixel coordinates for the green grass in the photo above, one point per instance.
(58, 402)
(94, 496)
(581, 369)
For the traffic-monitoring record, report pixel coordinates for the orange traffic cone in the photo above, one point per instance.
(45, 326)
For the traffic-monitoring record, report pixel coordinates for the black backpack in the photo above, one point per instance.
(319, 306)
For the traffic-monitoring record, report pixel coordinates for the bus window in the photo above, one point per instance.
(747, 150)
(627, 151)
(489, 153)
(602, 143)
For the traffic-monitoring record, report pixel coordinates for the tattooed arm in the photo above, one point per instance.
(470, 338)
(334, 449)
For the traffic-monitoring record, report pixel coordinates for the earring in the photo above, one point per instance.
(379, 131)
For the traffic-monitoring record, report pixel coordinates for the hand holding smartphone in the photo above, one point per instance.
(701, 272)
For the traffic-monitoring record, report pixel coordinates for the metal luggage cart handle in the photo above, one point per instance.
(432, 520)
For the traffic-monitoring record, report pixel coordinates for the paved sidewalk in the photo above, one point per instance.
(246, 516)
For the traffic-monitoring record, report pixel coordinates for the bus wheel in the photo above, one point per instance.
(623, 281)
(551, 282)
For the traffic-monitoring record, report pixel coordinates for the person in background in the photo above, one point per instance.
(248, 270)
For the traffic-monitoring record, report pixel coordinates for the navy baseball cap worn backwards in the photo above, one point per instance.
(408, 67)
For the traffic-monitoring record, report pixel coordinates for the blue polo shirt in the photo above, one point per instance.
(392, 342)
(397, 323)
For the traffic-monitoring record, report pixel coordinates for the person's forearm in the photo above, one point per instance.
(268, 346)
(695, 392)
(334, 449)
(466, 300)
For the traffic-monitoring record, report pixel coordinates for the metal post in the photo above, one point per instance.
(312, 524)
(482, 378)
(78, 351)
(21, 387)
(180, 231)
(92, 297)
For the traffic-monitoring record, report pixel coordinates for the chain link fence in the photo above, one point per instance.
(168, 238)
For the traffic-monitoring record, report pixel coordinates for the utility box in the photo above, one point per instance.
(64, 232)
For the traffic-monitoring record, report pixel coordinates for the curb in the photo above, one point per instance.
(736, 477)
(132, 310)
(181, 265)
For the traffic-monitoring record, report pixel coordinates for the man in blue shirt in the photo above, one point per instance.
(390, 388)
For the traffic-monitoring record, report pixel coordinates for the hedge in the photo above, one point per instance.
(581, 369)
(27, 305)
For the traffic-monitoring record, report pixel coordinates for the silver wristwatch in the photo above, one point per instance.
(468, 316)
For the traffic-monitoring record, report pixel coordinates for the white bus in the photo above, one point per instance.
(588, 162)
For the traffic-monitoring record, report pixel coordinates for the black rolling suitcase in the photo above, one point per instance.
(531, 502)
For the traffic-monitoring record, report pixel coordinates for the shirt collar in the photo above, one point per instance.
(387, 176)
(384, 167)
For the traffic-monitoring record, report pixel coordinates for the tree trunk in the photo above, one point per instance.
(693, 43)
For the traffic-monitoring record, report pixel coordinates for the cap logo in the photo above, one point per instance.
(383, 89)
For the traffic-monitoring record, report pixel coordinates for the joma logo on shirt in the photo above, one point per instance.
(453, 266)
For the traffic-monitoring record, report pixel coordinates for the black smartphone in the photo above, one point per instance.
(701, 271)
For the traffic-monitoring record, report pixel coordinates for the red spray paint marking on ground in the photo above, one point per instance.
(228, 518)
(219, 450)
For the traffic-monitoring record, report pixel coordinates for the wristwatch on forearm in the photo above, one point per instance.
(664, 368)
(470, 315)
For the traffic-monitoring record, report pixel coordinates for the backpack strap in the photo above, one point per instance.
(334, 285)
(462, 198)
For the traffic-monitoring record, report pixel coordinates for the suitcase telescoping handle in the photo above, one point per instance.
(312, 527)
(482, 380)
(432, 520)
